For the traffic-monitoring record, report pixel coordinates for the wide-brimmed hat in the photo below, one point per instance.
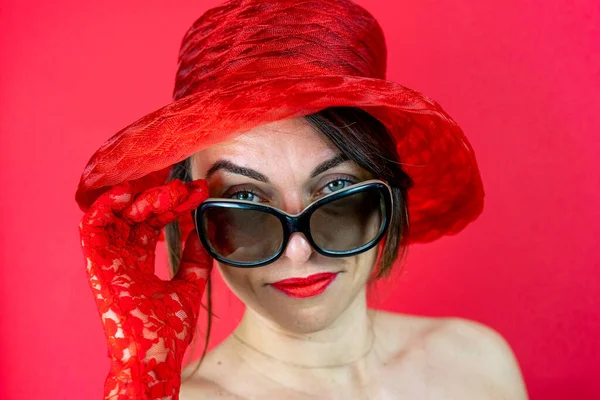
(250, 62)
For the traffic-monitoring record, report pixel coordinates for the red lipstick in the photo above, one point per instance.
(305, 287)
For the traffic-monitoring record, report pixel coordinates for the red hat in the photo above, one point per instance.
(250, 62)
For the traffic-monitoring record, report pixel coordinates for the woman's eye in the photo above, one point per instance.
(245, 195)
(338, 184)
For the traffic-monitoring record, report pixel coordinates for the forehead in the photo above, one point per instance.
(292, 142)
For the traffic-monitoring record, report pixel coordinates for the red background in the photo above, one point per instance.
(522, 78)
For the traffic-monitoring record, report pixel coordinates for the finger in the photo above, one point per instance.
(197, 193)
(117, 197)
(101, 224)
(195, 263)
(102, 212)
(162, 205)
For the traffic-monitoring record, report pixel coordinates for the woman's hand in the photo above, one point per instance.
(148, 322)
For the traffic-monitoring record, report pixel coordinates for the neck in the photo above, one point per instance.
(343, 344)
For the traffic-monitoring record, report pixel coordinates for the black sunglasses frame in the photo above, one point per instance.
(296, 223)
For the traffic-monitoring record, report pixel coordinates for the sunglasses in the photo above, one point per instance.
(247, 234)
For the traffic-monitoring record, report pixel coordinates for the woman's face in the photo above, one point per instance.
(288, 165)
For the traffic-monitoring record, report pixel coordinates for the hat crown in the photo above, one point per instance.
(243, 40)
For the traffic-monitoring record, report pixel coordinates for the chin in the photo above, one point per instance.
(303, 320)
(312, 314)
(300, 311)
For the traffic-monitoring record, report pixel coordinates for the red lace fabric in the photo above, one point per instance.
(148, 322)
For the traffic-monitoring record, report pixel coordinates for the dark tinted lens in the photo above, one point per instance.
(350, 222)
(242, 235)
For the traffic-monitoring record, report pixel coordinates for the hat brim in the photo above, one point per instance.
(447, 193)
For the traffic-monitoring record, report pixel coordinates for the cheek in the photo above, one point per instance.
(239, 280)
(364, 265)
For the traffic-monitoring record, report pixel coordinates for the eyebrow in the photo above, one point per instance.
(236, 169)
(332, 162)
(254, 174)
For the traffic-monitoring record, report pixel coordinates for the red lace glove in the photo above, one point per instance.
(148, 322)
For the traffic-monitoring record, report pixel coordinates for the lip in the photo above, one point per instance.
(309, 286)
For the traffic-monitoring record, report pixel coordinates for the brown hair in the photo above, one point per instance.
(361, 138)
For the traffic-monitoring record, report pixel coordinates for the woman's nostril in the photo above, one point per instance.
(298, 248)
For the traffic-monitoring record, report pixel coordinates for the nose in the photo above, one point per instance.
(298, 248)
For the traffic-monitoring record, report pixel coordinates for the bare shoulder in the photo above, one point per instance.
(200, 388)
(462, 348)
(206, 382)
(480, 351)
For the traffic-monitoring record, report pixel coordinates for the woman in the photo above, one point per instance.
(319, 174)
